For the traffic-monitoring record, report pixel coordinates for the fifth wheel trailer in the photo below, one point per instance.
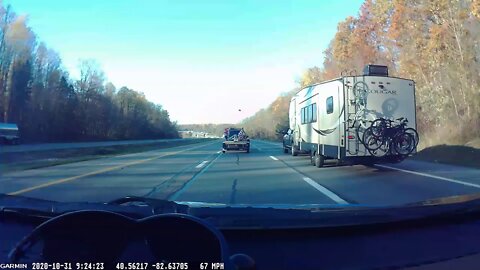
(328, 119)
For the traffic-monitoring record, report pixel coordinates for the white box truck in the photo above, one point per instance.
(331, 120)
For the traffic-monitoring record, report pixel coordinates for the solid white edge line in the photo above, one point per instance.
(325, 191)
(431, 176)
(201, 164)
(274, 158)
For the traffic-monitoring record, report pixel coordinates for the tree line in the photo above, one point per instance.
(435, 43)
(38, 94)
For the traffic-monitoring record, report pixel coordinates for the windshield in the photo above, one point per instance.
(334, 103)
(233, 132)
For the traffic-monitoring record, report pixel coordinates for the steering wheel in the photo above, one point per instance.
(74, 237)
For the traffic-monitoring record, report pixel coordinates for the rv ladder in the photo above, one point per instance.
(351, 117)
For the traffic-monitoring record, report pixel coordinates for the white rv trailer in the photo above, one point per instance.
(327, 119)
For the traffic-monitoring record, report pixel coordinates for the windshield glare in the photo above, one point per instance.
(330, 105)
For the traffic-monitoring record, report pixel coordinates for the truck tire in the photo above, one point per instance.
(319, 160)
(294, 151)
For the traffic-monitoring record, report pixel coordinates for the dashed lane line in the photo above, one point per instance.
(201, 164)
(177, 194)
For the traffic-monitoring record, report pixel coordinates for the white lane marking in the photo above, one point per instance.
(201, 164)
(274, 158)
(219, 152)
(191, 181)
(325, 191)
(431, 176)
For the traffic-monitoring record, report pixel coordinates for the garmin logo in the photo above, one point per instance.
(382, 91)
(13, 266)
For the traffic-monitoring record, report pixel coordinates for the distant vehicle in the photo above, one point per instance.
(9, 133)
(235, 139)
(360, 119)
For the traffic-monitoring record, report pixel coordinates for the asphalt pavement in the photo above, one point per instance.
(202, 173)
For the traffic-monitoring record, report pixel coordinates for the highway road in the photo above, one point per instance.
(202, 173)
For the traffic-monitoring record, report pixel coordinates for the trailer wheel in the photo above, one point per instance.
(294, 151)
(319, 160)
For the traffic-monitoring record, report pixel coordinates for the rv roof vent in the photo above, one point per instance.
(375, 70)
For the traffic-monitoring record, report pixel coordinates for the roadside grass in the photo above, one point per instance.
(461, 155)
(39, 159)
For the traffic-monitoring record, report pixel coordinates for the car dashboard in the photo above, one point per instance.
(104, 239)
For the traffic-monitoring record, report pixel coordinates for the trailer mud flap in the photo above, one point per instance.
(330, 150)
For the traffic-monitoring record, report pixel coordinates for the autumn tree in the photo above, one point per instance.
(38, 94)
(434, 43)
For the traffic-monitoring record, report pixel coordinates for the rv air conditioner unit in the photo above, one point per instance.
(375, 70)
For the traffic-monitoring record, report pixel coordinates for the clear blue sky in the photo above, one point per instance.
(193, 56)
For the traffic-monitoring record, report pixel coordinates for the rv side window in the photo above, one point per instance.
(329, 105)
(314, 112)
(303, 116)
(309, 114)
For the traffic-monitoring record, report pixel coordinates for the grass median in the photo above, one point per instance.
(38, 159)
